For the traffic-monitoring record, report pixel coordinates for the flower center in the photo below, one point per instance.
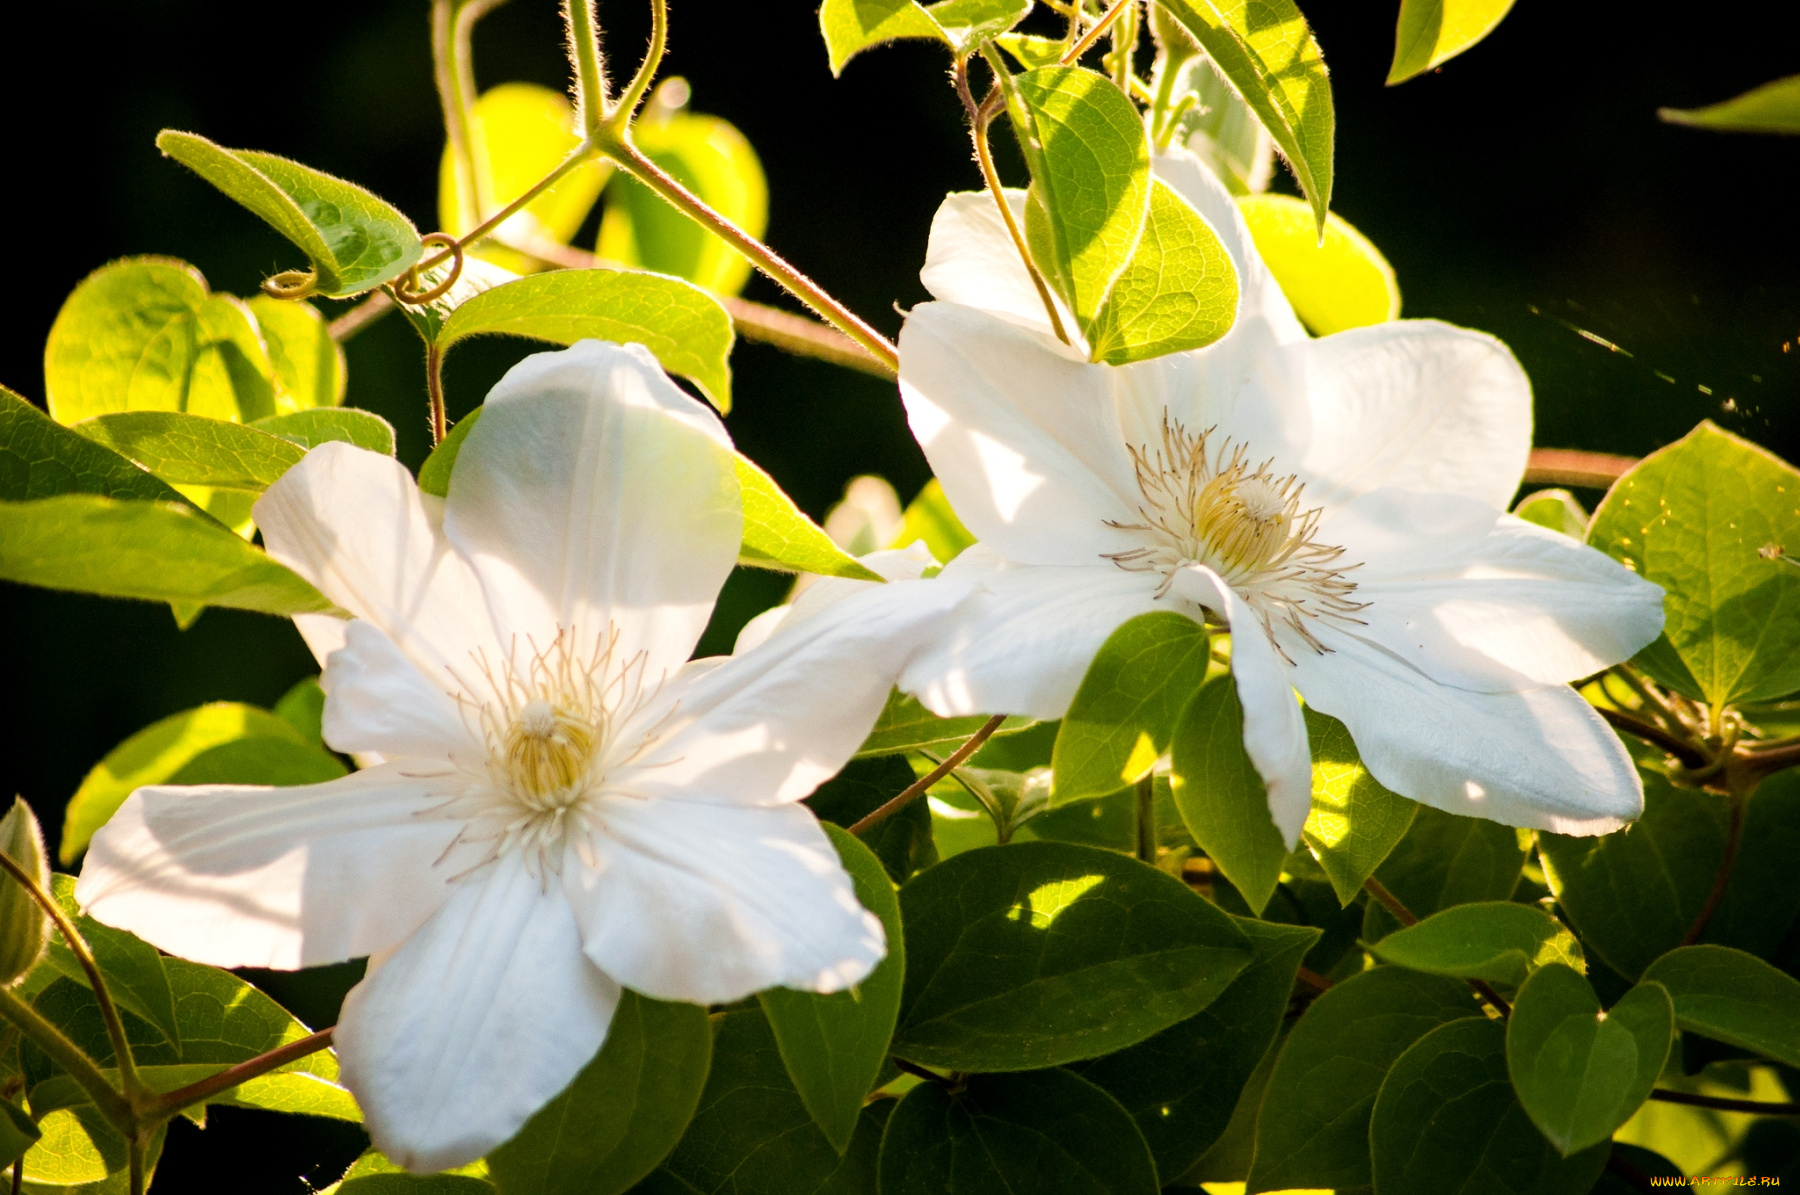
(1214, 508)
(552, 723)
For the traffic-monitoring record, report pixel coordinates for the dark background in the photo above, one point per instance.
(1526, 188)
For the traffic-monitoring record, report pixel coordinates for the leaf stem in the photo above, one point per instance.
(434, 386)
(620, 117)
(449, 39)
(361, 316)
(1097, 32)
(174, 1101)
(919, 1072)
(1734, 834)
(71, 1057)
(1146, 818)
(627, 155)
(480, 232)
(918, 787)
(1567, 466)
(115, 1027)
(1727, 1104)
(1767, 758)
(1690, 755)
(979, 120)
(134, 1147)
(1313, 980)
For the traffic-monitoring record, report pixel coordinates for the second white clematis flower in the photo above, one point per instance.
(564, 804)
(1338, 503)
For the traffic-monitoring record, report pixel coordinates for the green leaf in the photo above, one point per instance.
(1266, 51)
(1435, 31)
(1733, 997)
(902, 841)
(928, 518)
(1123, 715)
(24, 927)
(133, 968)
(1580, 1072)
(156, 551)
(1694, 518)
(835, 1045)
(905, 725)
(1446, 860)
(1447, 1120)
(309, 429)
(712, 159)
(195, 450)
(1222, 799)
(434, 474)
(777, 534)
(81, 1154)
(145, 334)
(1355, 822)
(1771, 108)
(1090, 190)
(355, 241)
(39, 458)
(1037, 953)
(1632, 895)
(17, 1133)
(1181, 1085)
(1494, 940)
(1556, 510)
(303, 708)
(1178, 292)
(518, 133)
(1031, 51)
(271, 761)
(683, 325)
(1314, 1128)
(752, 1134)
(1046, 1132)
(308, 361)
(852, 26)
(966, 22)
(374, 1173)
(1343, 282)
(155, 754)
(622, 1114)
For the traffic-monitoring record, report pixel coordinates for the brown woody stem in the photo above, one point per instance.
(1734, 835)
(174, 1101)
(918, 787)
(1727, 1104)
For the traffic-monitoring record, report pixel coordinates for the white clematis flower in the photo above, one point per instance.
(563, 804)
(1338, 503)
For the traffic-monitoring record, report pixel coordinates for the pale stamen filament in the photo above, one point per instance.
(1242, 521)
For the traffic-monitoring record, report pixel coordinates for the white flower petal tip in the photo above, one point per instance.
(1335, 500)
(481, 1018)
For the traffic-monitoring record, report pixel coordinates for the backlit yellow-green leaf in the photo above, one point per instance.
(1771, 108)
(852, 26)
(1343, 283)
(308, 361)
(777, 534)
(1179, 291)
(1433, 31)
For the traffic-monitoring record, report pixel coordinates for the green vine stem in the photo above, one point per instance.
(1727, 1104)
(434, 387)
(619, 119)
(1734, 836)
(590, 67)
(1146, 818)
(115, 1027)
(72, 1058)
(915, 790)
(454, 79)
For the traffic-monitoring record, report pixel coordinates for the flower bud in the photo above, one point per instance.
(24, 926)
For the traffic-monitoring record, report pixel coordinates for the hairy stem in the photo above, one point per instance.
(764, 258)
(174, 1101)
(1734, 834)
(115, 1027)
(71, 1057)
(640, 82)
(434, 386)
(1146, 818)
(589, 64)
(918, 787)
(1727, 1104)
(979, 120)
(480, 232)
(1097, 32)
(1566, 466)
(1690, 755)
(452, 77)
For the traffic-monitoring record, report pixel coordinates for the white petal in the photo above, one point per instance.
(1416, 405)
(273, 877)
(1259, 295)
(1541, 758)
(1519, 608)
(1274, 728)
(769, 726)
(480, 1019)
(353, 523)
(324, 633)
(377, 700)
(1024, 640)
(1026, 442)
(594, 491)
(710, 903)
(971, 260)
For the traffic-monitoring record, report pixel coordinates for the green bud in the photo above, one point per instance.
(24, 926)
